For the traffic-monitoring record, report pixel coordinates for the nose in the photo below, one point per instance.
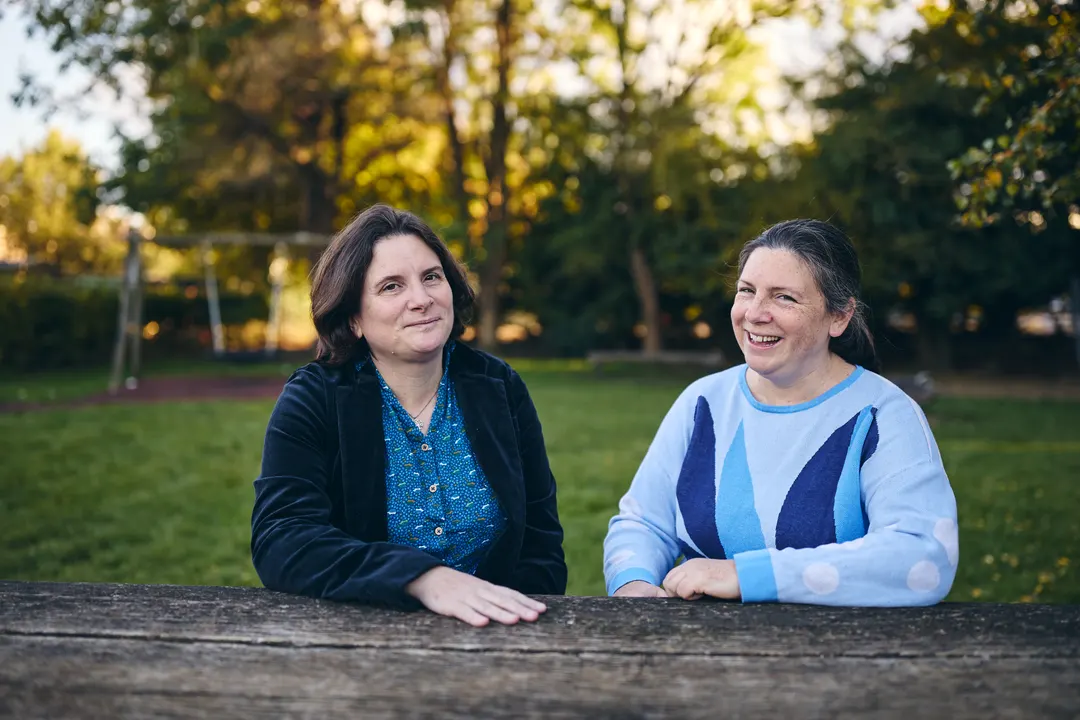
(758, 311)
(419, 297)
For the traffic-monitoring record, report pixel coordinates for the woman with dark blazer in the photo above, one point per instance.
(403, 468)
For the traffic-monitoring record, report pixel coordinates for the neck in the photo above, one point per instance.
(413, 382)
(802, 386)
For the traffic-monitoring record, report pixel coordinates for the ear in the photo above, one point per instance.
(354, 325)
(841, 320)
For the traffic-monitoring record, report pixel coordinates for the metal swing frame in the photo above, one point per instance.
(127, 351)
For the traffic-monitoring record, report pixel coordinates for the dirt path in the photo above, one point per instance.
(1025, 388)
(167, 389)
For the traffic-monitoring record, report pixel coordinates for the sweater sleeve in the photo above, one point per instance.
(641, 541)
(295, 547)
(910, 551)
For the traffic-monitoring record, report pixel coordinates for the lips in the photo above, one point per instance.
(424, 323)
(762, 341)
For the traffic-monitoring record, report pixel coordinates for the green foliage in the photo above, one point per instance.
(274, 115)
(881, 171)
(49, 324)
(48, 204)
(623, 201)
(1029, 161)
(162, 492)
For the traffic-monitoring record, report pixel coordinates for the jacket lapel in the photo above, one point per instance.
(363, 458)
(490, 428)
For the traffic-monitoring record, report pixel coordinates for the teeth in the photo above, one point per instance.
(763, 338)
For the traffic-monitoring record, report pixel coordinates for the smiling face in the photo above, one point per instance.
(780, 318)
(407, 307)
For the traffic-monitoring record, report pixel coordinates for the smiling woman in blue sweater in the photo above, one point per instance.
(800, 476)
(403, 468)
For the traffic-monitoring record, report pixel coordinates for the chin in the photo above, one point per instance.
(762, 366)
(425, 346)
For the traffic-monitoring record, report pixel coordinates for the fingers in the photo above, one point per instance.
(496, 613)
(641, 589)
(671, 581)
(509, 605)
(680, 583)
(478, 602)
(688, 589)
(469, 615)
(519, 600)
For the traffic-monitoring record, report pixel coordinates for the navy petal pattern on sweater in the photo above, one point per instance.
(807, 517)
(696, 488)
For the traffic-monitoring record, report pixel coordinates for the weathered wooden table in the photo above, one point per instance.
(88, 650)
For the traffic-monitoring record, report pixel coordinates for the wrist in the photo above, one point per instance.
(628, 576)
(425, 580)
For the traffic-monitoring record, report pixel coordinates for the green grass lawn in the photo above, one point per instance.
(162, 493)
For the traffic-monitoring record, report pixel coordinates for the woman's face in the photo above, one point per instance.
(407, 306)
(780, 319)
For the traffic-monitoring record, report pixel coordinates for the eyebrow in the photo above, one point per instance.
(388, 278)
(779, 288)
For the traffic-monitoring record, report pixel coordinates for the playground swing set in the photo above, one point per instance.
(127, 351)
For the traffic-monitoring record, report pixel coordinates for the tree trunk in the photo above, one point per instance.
(453, 135)
(640, 270)
(495, 239)
(1074, 308)
(934, 345)
(488, 301)
(317, 204)
(648, 299)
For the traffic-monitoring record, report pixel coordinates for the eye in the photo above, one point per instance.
(744, 290)
(434, 275)
(786, 298)
(390, 287)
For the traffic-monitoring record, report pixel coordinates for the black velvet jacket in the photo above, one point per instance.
(319, 525)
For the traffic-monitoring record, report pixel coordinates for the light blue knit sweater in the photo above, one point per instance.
(841, 500)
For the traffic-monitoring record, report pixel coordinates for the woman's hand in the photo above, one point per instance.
(456, 594)
(697, 577)
(639, 588)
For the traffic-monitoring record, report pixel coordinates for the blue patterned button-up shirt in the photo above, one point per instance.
(437, 498)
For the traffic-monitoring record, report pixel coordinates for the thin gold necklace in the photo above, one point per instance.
(421, 411)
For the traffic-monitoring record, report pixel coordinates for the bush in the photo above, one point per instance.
(48, 323)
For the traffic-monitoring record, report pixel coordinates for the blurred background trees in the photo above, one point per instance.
(597, 164)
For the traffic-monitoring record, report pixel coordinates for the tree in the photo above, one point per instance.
(481, 60)
(270, 114)
(283, 114)
(656, 74)
(673, 117)
(881, 171)
(1028, 169)
(48, 208)
(1032, 160)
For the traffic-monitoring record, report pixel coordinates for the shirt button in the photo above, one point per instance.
(438, 531)
(433, 488)
(425, 447)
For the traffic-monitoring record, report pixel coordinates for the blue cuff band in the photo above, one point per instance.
(630, 576)
(756, 578)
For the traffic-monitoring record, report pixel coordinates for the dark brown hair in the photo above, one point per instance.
(337, 280)
(833, 262)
